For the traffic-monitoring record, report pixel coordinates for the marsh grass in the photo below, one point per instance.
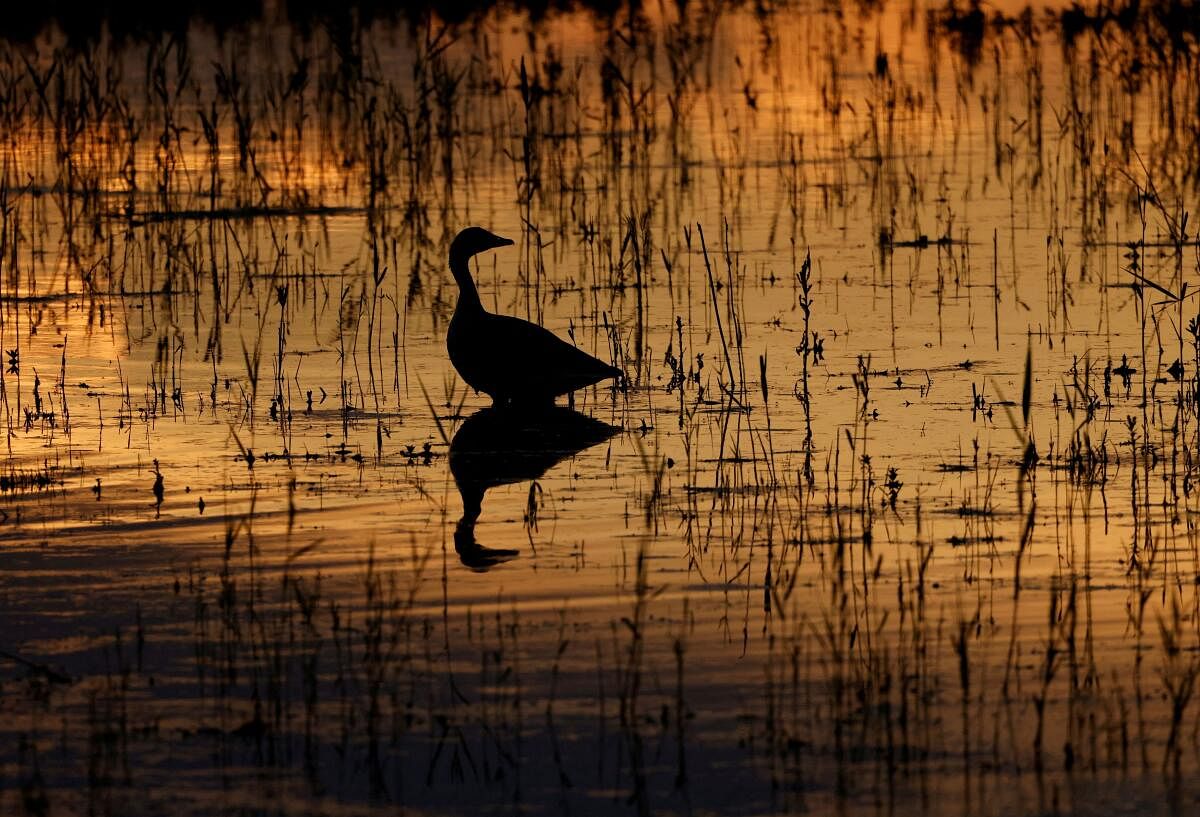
(855, 575)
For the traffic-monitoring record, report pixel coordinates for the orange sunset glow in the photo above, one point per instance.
(697, 408)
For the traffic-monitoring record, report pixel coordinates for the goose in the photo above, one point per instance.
(513, 361)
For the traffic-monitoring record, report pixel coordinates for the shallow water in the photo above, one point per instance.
(907, 543)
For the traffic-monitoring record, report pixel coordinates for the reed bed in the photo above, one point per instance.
(901, 517)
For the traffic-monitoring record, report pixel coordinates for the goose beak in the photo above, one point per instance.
(503, 242)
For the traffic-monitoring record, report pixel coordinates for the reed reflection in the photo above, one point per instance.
(501, 446)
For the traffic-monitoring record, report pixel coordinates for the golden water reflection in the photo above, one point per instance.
(905, 526)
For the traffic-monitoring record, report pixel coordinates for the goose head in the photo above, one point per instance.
(473, 241)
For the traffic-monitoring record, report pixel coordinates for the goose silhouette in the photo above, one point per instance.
(513, 361)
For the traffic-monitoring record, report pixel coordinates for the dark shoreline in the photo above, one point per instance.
(1172, 25)
(83, 21)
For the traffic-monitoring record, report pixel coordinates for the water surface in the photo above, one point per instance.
(896, 509)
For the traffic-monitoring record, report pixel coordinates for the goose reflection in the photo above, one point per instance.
(499, 446)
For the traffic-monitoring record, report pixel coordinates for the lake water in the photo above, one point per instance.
(894, 512)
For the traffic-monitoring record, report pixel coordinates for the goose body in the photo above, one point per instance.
(511, 360)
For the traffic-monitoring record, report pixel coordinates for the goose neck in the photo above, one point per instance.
(468, 295)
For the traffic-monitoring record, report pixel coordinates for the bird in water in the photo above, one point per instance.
(513, 361)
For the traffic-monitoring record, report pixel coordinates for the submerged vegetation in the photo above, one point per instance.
(895, 508)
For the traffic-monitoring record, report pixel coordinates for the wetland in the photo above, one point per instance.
(891, 511)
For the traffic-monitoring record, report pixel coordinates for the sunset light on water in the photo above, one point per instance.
(855, 473)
